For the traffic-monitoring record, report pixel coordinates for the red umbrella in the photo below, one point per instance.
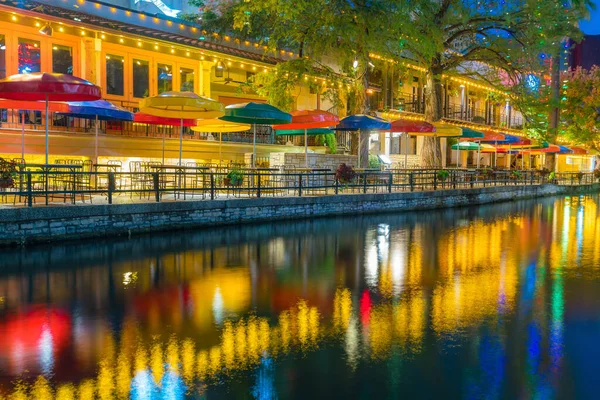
(578, 150)
(48, 87)
(31, 106)
(309, 119)
(406, 126)
(142, 118)
(490, 136)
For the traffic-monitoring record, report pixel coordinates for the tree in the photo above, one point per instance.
(580, 103)
(501, 42)
(334, 37)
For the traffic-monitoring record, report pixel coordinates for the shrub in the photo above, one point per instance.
(579, 176)
(235, 177)
(374, 162)
(597, 173)
(443, 174)
(8, 172)
(516, 175)
(345, 174)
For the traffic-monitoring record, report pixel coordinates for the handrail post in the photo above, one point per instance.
(111, 186)
(156, 186)
(434, 180)
(337, 185)
(364, 182)
(29, 190)
(300, 185)
(390, 182)
(258, 184)
(212, 185)
(411, 181)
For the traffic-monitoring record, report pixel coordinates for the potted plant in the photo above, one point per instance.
(597, 174)
(345, 174)
(443, 174)
(8, 173)
(516, 175)
(235, 177)
(579, 177)
(552, 177)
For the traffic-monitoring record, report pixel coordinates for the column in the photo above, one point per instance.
(205, 75)
(91, 67)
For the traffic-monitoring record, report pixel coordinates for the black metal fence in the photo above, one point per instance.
(75, 187)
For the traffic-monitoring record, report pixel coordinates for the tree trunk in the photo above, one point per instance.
(553, 118)
(431, 154)
(360, 106)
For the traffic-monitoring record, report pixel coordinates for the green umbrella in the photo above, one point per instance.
(466, 146)
(255, 113)
(468, 133)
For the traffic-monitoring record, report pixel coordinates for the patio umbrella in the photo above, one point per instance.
(255, 113)
(31, 106)
(565, 150)
(142, 118)
(307, 120)
(409, 126)
(471, 146)
(219, 126)
(578, 150)
(98, 110)
(362, 123)
(44, 86)
(184, 105)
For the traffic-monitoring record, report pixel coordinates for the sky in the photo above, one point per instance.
(592, 27)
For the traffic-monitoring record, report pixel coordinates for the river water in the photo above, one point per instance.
(497, 301)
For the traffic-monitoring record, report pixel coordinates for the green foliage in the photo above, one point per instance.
(374, 162)
(597, 174)
(579, 106)
(345, 173)
(552, 176)
(235, 177)
(8, 169)
(443, 174)
(328, 140)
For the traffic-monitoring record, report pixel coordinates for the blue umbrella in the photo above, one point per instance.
(362, 122)
(98, 110)
(565, 150)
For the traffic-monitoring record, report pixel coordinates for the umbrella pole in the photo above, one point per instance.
(220, 147)
(306, 148)
(478, 154)
(96, 142)
(522, 161)
(509, 150)
(495, 155)
(406, 150)
(181, 143)
(163, 147)
(47, 158)
(23, 134)
(254, 146)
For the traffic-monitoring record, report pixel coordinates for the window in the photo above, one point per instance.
(187, 79)
(29, 56)
(2, 57)
(62, 59)
(115, 68)
(140, 78)
(165, 78)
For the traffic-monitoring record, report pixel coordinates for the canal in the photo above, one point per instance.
(498, 301)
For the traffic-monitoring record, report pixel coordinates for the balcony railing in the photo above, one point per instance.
(415, 104)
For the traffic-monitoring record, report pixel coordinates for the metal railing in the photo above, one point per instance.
(55, 187)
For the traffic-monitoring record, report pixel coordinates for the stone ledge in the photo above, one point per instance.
(25, 225)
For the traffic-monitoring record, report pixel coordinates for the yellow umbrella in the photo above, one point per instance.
(182, 105)
(443, 130)
(219, 126)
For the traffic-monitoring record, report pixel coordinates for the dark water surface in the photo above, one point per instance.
(498, 301)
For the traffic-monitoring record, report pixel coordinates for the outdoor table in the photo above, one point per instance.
(47, 168)
(180, 171)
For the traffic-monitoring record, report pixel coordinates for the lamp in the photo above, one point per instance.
(219, 69)
(46, 30)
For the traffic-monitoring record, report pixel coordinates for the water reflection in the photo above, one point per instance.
(482, 297)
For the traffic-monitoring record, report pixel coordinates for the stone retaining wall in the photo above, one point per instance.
(40, 224)
(315, 160)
